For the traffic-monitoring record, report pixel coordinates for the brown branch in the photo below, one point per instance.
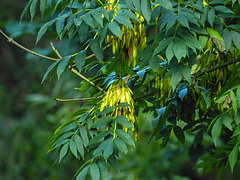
(26, 49)
(69, 100)
(216, 68)
(75, 71)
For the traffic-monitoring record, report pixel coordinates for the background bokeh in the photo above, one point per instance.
(29, 115)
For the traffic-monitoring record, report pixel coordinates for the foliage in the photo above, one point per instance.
(182, 57)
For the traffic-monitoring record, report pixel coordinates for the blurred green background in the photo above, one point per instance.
(29, 116)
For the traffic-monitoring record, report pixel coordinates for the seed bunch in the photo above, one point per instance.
(117, 93)
(131, 39)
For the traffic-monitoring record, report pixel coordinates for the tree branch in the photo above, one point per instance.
(53, 59)
(216, 68)
(69, 100)
(26, 49)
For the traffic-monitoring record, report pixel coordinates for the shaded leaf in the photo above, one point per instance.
(62, 65)
(125, 137)
(121, 145)
(124, 121)
(73, 148)
(115, 29)
(179, 134)
(216, 130)
(80, 59)
(123, 20)
(79, 144)
(211, 16)
(94, 171)
(96, 49)
(63, 151)
(49, 69)
(233, 158)
(146, 9)
(108, 150)
(83, 173)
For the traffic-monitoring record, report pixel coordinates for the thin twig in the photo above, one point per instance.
(24, 48)
(69, 100)
(75, 71)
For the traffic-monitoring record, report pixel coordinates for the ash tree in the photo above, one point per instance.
(178, 60)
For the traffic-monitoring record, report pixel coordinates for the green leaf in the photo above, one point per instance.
(123, 20)
(124, 121)
(227, 121)
(63, 151)
(214, 34)
(179, 134)
(103, 169)
(175, 79)
(44, 29)
(73, 148)
(49, 69)
(124, 105)
(100, 148)
(26, 8)
(84, 136)
(125, 137)
(165, 4)
(60, 25)
(108, 150)
(97, 16)
(183, 20)
(80, 59)
(211, 16)
(171, 22)
(115, 29)
(162, 45)
(128, 14)
(236, 38)
(43, 4)
(234, 101)
(227, 38)
(121, 145)
(62, 65)
(236, 131)
(83, 173)
(233, 158)
(104, 12)
(79, 144)
(186, 73)
(99, 137)
(216, 130)
(179, 49)
(146, 9)
(238, 95)
(96, 49)
(222, 9)
(33, 8)
(169, 51)
(88, 19)
(103, 121)
(94, 171)
(154, 63)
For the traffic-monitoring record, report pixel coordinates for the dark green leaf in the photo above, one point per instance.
(97, 16)
(211, 16)
(60, 25)
(125, 137)
(227, 38)
(186, 72)
(216, 130)
(233, 158)
(124, 121)
(115, 29)
(33, 8)
(49, 69)
(104, 12)
(94, 171)
(179, 134)
(99, 137)
(80, 60)
(79, 144)
(222, 9)
(237, 130)
(171, 22)
(128, 14)
(84, 135)
(44, 29)
(121, 145)
(179, 50)
(198, 138)
(88, 19)
(169, 51)
(26, 8)
(183, 20)
(43, 4)
(165, 4)
(234, 101)
(96, 49)
(103, 169)
(103, 121)
(154, 63)
(236, 38)
(63, 151)
(101, 147)
(107, 110)
(162, 45)
(227, 121)
(73, 148)
(123, 20)
(108, 150)
(124, 105)
(175, 79)
(62, 65)
(146, 9)
(82, 174)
